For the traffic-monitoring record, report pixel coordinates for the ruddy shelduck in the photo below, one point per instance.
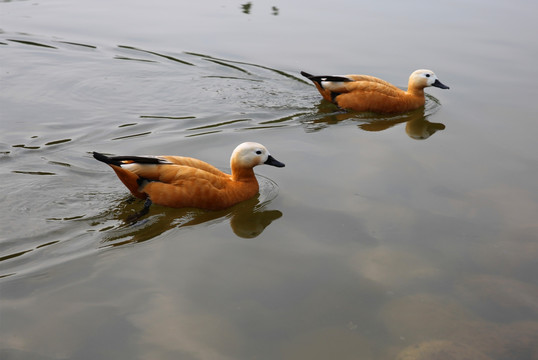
(368, 93)
(178, 181)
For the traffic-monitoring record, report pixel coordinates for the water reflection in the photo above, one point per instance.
(246, 8)
(248, 219)
(417, 126)
(434, 325)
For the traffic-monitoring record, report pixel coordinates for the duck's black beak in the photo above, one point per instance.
(440, 85)
(273, 162)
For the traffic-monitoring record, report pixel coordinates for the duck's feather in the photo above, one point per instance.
(178, 181)
(365, 84)
(369, 93)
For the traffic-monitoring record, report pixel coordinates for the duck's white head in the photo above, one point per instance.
(250, 154)
(423, 78)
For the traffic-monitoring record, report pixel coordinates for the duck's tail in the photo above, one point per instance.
(122, 160)
(134, 182)
(104, 158)
(306, 75)
(327, 94)
(319, 78)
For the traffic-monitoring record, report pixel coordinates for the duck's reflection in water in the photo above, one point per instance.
(417, 126)
(248, 219)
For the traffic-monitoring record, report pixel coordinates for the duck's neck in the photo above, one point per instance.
(243, 174)
(415, 90)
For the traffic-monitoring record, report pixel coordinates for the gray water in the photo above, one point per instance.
(384, 237)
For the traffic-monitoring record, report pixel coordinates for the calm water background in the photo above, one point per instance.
(383, 237)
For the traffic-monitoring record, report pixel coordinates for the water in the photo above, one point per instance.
(383, 237)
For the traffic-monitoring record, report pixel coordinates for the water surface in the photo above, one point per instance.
(384, 237)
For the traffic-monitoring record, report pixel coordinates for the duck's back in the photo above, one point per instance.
(364, 84)
(372, 80)
(194, 163)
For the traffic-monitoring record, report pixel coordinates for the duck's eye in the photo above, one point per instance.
(258, 152)
(427, 75)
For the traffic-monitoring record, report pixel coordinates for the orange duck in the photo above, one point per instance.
(177, 181)
(368, 93)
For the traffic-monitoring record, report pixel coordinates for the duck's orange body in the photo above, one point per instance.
(177, 181)
(368, 93)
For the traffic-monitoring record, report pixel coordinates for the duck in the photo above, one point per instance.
(367, 93)
(185, 182)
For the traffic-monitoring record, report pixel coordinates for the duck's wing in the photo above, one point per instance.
(121, 165)
(321, 80)
(185, 186)
(361, 84)
(136, 172)
(179, 175)
(150, 167)
(194, 163)
(330, 86)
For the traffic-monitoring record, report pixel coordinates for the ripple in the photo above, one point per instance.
(78, 44)
(220, 124)
(56, 142)
(168, 57)
(33, 172)
(219, 62)
(204, 133)
(167, 117)
(132, 135)
(14, 255)
(132, 59)
(268, 190)
(32, 43)
(26, 147)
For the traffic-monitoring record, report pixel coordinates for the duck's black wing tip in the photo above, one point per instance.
(102, 157)
(119, 160)
(319, 78)
(306, 75)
